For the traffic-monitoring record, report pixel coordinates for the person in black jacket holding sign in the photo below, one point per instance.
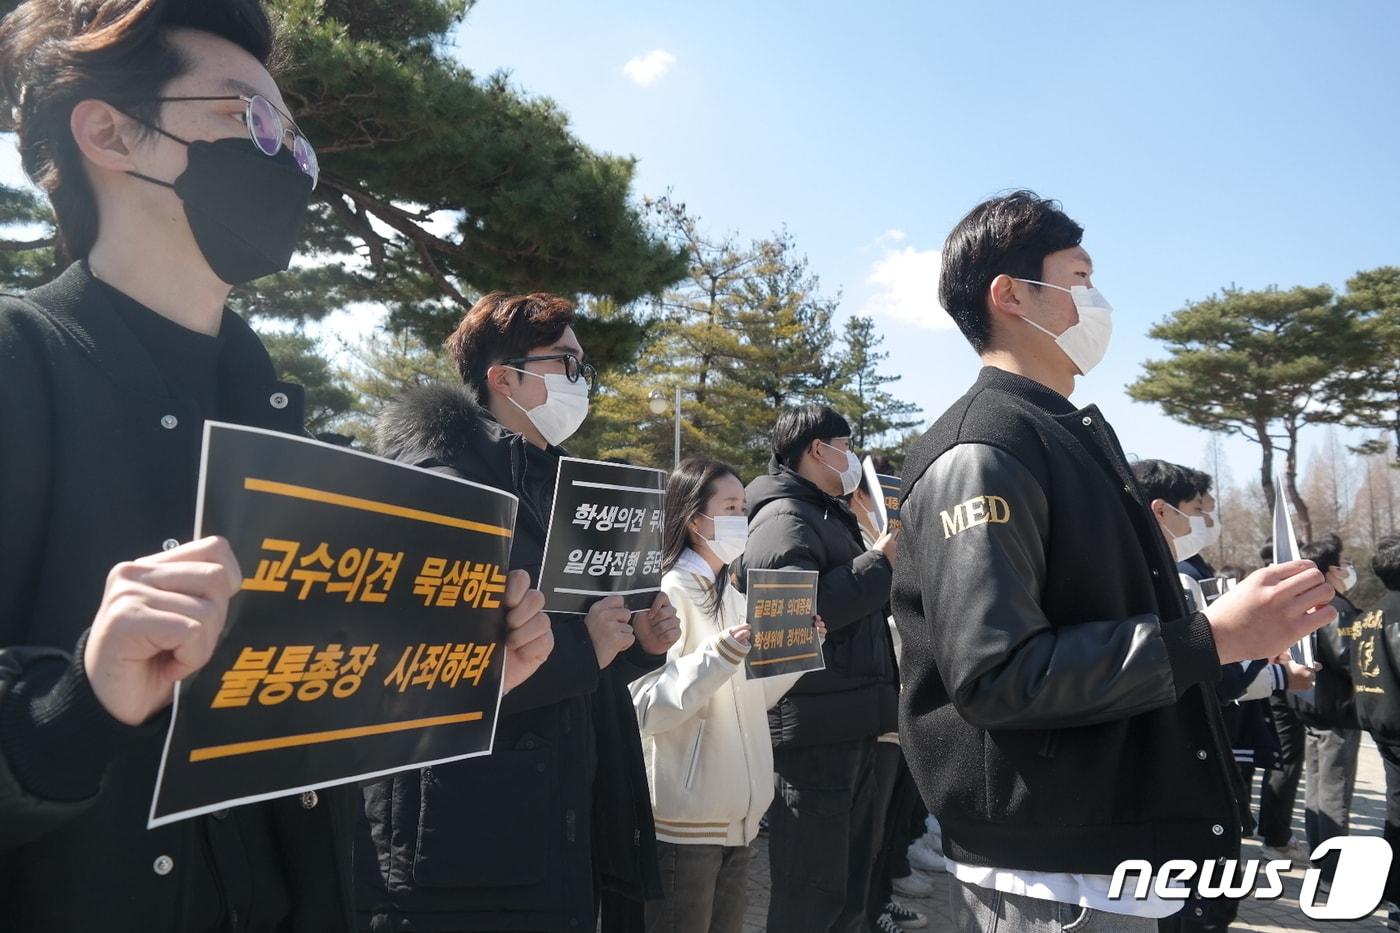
(821, 828)
(448, 848)
(109, 373)
(1057, 706)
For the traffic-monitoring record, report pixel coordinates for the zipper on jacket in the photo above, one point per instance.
(694, 756)
(1050, 743)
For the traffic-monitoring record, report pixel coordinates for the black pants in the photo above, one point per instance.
(1280, 790)
(1390, 760)
(899, 797)
(821, 837)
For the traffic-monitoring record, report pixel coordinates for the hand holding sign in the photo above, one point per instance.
(658, 628)
(888, 545)
(786, 633)
(159, 621)
(1270, 610)
(609, 628)
(529, 634)
(1300, 678)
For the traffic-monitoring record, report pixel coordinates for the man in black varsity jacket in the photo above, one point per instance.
(1058, 709)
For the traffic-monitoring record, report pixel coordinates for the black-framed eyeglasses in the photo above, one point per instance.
(573, 368)
(268, 128)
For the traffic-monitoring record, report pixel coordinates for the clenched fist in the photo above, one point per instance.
(159, 621)
(609, 628)
(659, 627)
(529, 634)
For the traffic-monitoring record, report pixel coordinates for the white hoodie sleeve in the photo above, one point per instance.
(698, 664)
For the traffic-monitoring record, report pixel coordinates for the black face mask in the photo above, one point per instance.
(245, 209)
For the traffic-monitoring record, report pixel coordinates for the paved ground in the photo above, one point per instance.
(1280, 916)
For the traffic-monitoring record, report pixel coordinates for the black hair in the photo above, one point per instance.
(1326, 552)
(1385, 563)
(1202, 480)
(1233, 571)
(1266, 553)
(1010, 234)
(1170, 482)
(54, 54)
(688, 488)
(796, 428)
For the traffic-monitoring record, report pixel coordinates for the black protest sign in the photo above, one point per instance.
(890, 489)
(781, 604)
(604, 536)
(887, 499)
(368, 635)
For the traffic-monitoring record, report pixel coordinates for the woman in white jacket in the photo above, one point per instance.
(704, 724)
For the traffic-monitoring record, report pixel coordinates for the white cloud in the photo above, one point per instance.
(905, 284)
(889, 238)
(645, 70)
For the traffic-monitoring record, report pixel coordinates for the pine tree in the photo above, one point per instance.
(874, 413)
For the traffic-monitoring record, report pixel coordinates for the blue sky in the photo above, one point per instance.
(1200, 144)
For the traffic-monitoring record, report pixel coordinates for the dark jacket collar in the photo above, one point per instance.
(1037, 394)
(445, 425)
(782, 482)
(79, 304)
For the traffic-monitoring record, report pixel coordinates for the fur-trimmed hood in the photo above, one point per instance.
(438, 422)
(443, 426)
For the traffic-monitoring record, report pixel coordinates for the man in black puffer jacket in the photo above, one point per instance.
(821, 842)
(558, 819)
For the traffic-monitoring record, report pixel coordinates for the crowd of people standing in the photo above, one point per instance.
(1033, 681)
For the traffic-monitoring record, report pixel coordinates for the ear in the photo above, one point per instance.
(105, 136)
(1003, 296)
(1159, 508)
(498, 379)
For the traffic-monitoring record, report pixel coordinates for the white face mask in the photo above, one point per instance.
(1213, 531)
(563, 410)
(1084, 343)
(850, 477)
(1190, 544)
(731, 535)
(1348, 577)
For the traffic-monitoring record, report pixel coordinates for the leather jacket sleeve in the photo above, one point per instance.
(1003, 662)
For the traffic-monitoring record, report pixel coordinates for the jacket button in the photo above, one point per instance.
(169, 422)
(164, 865)
(540, 767)
(278, 400)
(169, 544)
(220, 814)
(1155, 573)
(1088, 421)
(1201, 754)
(309, 800)
(1200, 912)
(1218, 829)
